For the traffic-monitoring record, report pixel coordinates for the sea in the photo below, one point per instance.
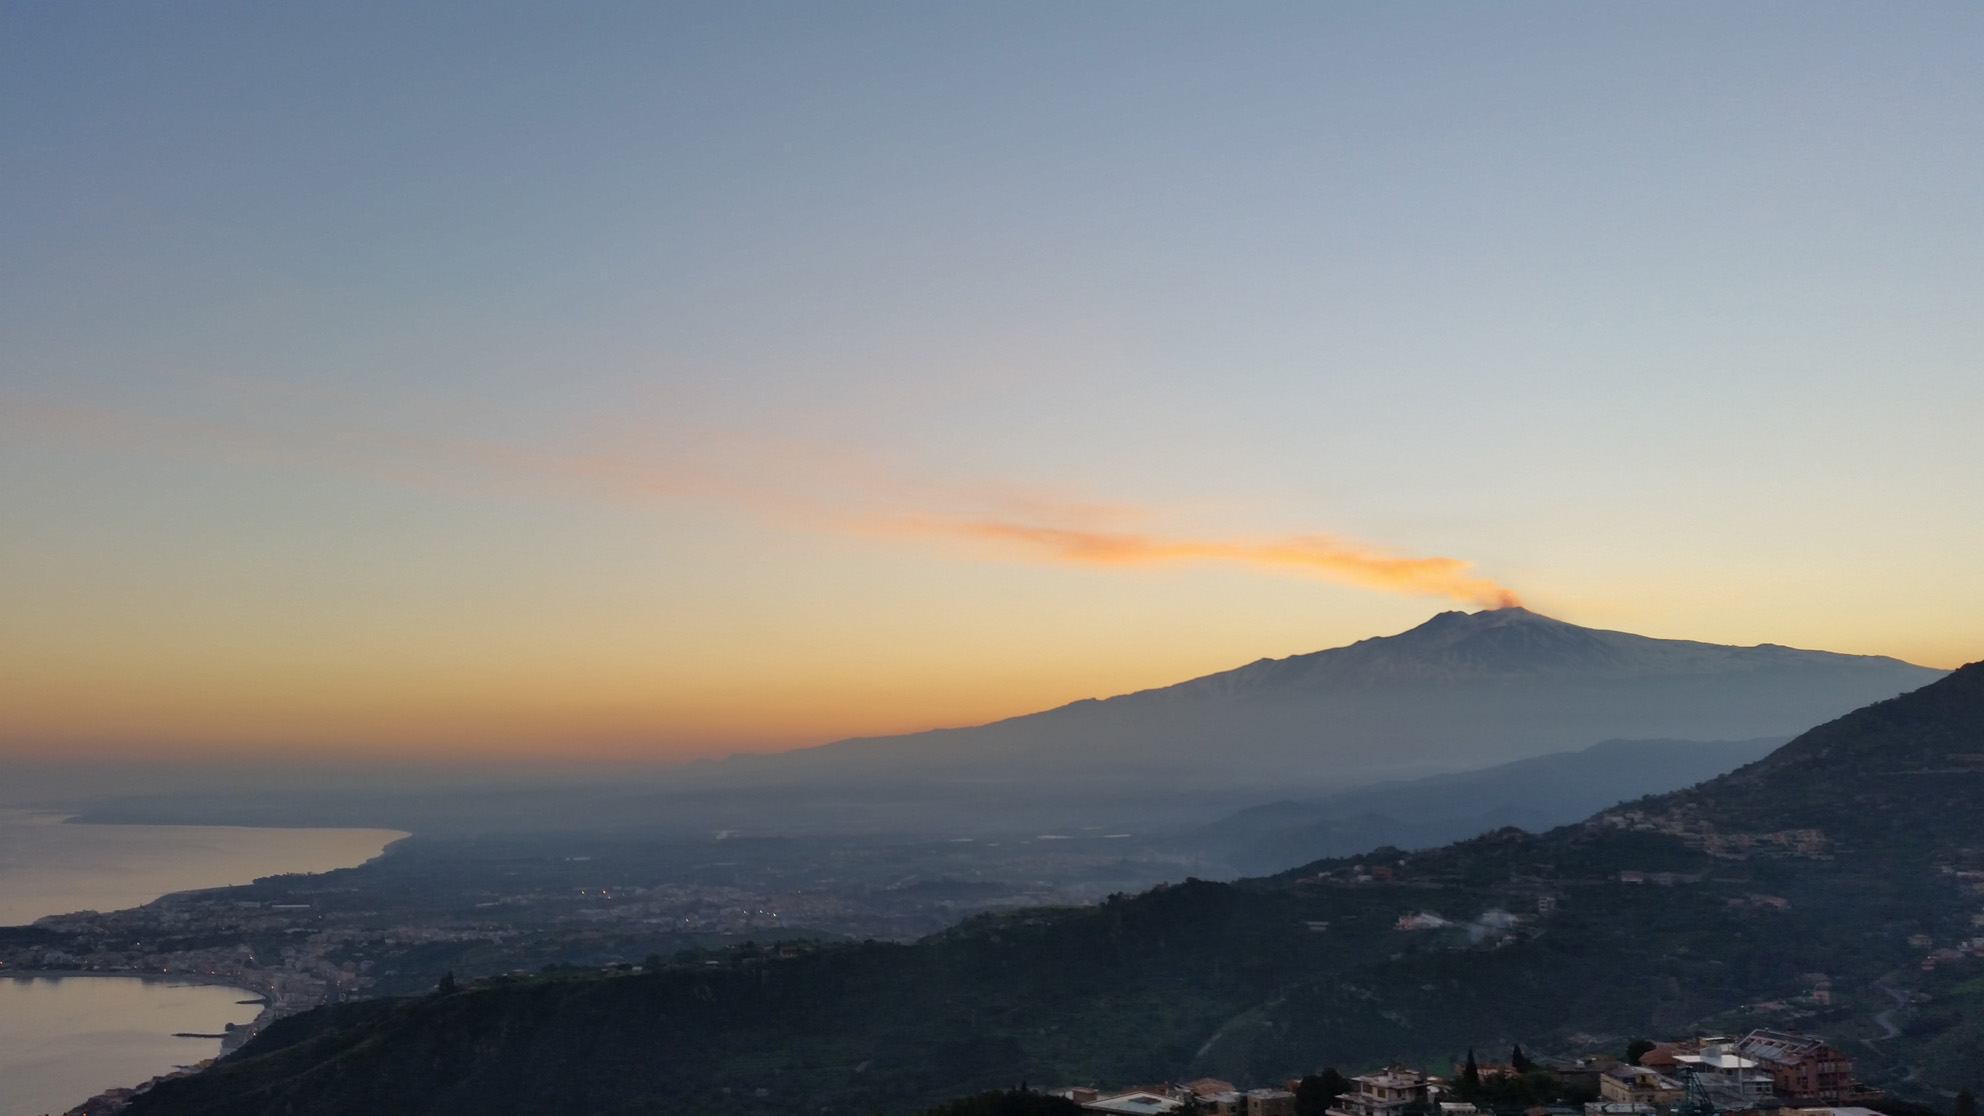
(65, 1039)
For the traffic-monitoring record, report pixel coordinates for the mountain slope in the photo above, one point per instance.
(1850, 860)
(1722, 906)
(1460, 691)
(1533, 794)
(1904, 769)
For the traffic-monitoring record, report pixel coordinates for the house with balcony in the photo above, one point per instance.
(1621, 1083)
(1390, 1093)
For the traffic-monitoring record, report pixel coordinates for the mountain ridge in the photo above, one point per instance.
(1499, 643)
(1460, 690)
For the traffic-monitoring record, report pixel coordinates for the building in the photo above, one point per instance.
(1232, 1102)
(1624, 1084)
(1136, 1103)
(1733, 1081)
(1268, 1102)
(1583, 1072)
(1486, 1070)
(1662, 1056)
(1383, 1094)
(1801, 1066)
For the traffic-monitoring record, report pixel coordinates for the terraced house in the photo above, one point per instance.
(1801, 1066)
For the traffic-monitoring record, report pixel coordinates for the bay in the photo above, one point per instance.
(49, 866)
(66, 1039)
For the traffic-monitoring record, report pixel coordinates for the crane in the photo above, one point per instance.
(1698, 1101)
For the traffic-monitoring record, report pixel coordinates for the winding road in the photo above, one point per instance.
(1886, 1018)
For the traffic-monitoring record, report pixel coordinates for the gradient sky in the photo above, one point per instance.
(647, 381)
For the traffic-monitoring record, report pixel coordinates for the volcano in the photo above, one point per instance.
(1458, 692)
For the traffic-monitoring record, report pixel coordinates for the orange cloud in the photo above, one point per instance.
(817, 485)
(1333, 558)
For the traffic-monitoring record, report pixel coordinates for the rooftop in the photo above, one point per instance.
(1133, 1103)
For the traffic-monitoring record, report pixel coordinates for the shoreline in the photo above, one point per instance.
(269, 997)
(105, 868)
(261, 996)
(109, 816)
(113, 1098)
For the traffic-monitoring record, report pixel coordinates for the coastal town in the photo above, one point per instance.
(1763, 1073)
(537, 911)
(394, 926)
(297, 943)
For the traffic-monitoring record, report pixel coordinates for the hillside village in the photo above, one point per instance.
(1763, 1073)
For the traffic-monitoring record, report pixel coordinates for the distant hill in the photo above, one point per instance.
(1834, 885)
(1459, 692)
(1533, 794)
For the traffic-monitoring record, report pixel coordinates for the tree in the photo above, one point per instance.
(447, 987)
(1966, 1104)
(1893, 1106)
(1012, 1102)
(1315, 1093)
(1470, 1076)
(1520, 1061)
(1636, 1049)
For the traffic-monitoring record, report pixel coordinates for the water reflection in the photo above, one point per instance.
(63, 1040)
(50, 867)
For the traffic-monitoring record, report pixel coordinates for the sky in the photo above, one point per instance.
(639, 381)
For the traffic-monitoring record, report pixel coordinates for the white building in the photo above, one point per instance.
(1134, 1104)
(1732, 1080)
(1383, 1094)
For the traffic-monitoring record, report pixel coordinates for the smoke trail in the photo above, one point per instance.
(822, 487)
(1333, 558)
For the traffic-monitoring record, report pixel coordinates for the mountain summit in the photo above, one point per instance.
(1460, 691)
(1513, 643)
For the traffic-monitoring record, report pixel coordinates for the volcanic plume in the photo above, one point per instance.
(1325, 555)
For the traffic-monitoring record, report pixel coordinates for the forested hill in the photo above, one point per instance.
(1904, 770)
(1722, 907)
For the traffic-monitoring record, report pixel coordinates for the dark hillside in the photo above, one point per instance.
(1825, 867)
(1533, 794)
(1909, 768)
